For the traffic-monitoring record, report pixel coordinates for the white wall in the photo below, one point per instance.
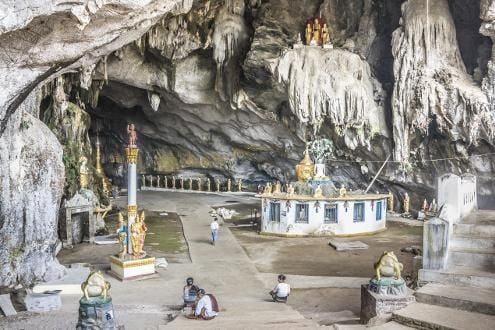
(345, 225)
(459, 192)
(469, 200)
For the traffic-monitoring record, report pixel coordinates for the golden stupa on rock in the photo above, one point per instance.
(306, 168)
(106, 185)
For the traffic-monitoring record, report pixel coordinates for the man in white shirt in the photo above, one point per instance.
(281, 291)
(207, 306)
(214, 231)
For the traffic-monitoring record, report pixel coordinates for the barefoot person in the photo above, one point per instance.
(214, 231)
(207, 306)
(281, 291)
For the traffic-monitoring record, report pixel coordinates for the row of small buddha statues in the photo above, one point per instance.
(426, 207)
(158, 181)
(316, 33)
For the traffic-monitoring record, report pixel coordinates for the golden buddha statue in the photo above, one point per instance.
(406, 203)
(318, 192)
(317, 31)
(390, 201)
(277, 189)
(268, 189)
(83, 173)
(325, 34)
(306, 168)
(308, 33)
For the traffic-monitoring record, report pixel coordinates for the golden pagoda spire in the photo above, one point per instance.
(105, 183)
(306, 167)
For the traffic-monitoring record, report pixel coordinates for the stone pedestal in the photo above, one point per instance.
(43, 302)
(379, 307)
(96, 313)
(132, 268)
(435, 244)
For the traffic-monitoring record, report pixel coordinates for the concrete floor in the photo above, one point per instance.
(224, 270)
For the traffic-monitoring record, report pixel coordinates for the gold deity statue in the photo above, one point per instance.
(316, 31)
(229, 184)
(277, 189)
(199, 184)
(325, 34)
(190, 184)
(83, 173)
(268, 189)
(136, 238)
(318, 192)
(406, 203)
(390, 201)
(143, 229)
(308, 33)
(239, 185)
(306, 168)
(122, 236)
(208, 184)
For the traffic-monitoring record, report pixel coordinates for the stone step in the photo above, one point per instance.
(387, 326)
(476, 230)
(470, 299)
(459, 276)
(477, 258)
(424, 316)
(470, 242)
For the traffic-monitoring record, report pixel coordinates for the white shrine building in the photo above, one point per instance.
(300, 215)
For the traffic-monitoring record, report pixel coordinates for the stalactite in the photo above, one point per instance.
(331, 84)
(431, 81)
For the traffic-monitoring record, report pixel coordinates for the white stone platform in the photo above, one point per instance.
(132, 269)
(69, 284)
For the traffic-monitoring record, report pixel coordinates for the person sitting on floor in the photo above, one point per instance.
(207, 306)
(281, 291)
(190, 292)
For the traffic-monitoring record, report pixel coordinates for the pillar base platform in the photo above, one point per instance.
(132, 268)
